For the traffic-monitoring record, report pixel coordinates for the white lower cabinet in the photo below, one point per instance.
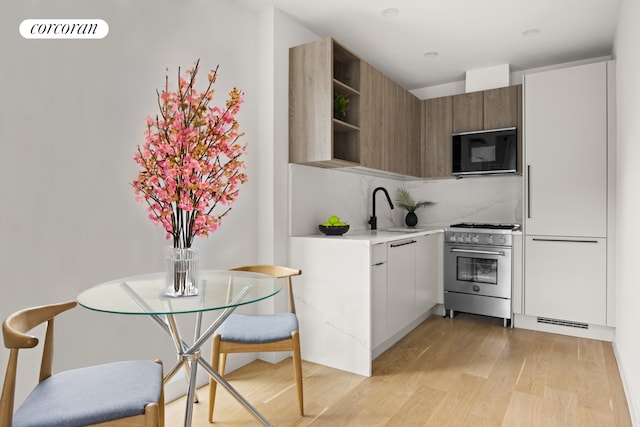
(413, 273)
(428, 273)
(566, 278)
(355, 299)
(401, 284)
(379, 332)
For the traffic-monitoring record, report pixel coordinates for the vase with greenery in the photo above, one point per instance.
(190, 169)
(405, 201)
(340, 106)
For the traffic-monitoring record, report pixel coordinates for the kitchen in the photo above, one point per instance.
(330, 191)
(324, 192)
(572, 103)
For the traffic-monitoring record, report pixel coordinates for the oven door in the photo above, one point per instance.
(480, 270)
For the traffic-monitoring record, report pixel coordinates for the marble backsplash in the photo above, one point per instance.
(318, 193)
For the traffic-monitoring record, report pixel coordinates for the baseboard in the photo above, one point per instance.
(632, 401)
(595, 332)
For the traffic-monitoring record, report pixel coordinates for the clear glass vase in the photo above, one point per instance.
(182, 272)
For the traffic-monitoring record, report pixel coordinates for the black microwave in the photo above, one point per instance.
(484, 152)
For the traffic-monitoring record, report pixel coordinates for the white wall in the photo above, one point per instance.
(276, 33)
(71, 116)
(628, 201)
(515, 78)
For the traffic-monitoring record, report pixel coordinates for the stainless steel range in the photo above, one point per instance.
(477, 269)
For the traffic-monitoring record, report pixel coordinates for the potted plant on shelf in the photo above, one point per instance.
(405, 201)
(191, 163)
(340, 106)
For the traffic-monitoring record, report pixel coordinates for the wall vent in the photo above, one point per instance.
(563, 323)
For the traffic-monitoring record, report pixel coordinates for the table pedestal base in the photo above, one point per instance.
(189, 356)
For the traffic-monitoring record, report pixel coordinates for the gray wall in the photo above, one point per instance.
(71, 117)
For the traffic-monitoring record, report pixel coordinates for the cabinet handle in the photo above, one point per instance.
(564, 240)
(529, 191)
(395, 245)
(377, 264)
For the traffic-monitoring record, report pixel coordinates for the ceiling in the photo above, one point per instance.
(466, 34)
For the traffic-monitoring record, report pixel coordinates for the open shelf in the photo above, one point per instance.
(346, 66)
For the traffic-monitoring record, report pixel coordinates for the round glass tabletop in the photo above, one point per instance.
(145, 294)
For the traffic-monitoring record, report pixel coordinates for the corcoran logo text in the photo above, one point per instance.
(64, 29)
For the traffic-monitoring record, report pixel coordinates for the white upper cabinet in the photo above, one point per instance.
(566, 151)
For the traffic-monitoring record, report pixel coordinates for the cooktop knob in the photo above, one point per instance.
(452, 238)
(475, 239)
(503, 240)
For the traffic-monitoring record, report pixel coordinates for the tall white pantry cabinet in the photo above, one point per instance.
(566, 137)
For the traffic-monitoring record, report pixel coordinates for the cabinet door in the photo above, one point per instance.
(427, 257)
(401, 280)
(501, 107)
(437, 126)
(317, 71)
(372, 118)
(468, 112)
(566, 151)
(406, 134)
(310, 123)
(390, 130)
(378, 304)
(395, 140)
(378, 294)
(566, 279)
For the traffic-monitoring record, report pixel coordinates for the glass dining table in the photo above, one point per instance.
(219, 290)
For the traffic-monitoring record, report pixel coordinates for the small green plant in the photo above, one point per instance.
(340, 105)
(405, 201)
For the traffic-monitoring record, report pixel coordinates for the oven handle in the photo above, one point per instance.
(469, 251)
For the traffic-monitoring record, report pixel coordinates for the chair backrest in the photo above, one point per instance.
(278, 272)
(14, 332)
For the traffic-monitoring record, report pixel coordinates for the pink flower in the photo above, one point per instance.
(190, 160)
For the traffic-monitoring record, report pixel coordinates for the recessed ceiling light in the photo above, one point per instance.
(431, 54)
(531, 32)
(392, 11)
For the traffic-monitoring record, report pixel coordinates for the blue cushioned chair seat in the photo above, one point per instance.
(92, 395)
(258, 329)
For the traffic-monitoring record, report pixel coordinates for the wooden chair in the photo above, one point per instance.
(242, 333)
(124, 394)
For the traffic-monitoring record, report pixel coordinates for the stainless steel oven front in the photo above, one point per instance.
(477, 271)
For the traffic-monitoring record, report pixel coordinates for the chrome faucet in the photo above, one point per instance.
(373, 221)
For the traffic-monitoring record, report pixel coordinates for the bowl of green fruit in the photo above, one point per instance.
(334, 226)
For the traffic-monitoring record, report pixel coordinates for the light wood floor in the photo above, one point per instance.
(469, 371)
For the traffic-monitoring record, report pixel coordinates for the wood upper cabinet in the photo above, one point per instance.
(403, 134)
(408, 136)
(488, 109)
(390, 124)
(317, 71)
(381, 129)
(373, 119)
(502, 107)
(468, 112)
(437, 126)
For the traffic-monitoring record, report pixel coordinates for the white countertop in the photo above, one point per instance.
(380, 236)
